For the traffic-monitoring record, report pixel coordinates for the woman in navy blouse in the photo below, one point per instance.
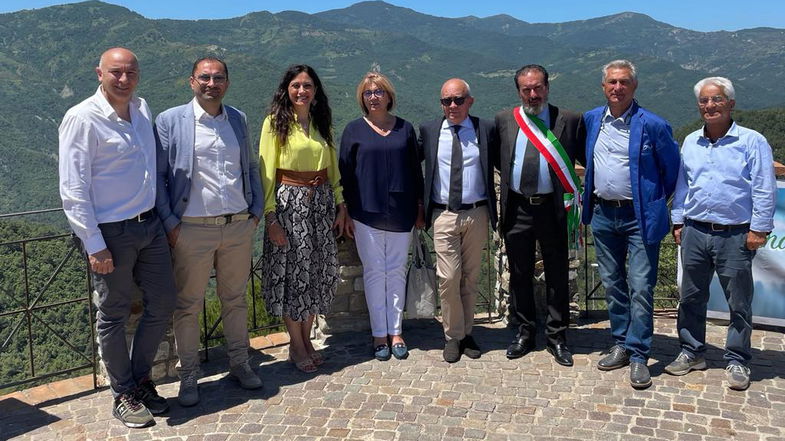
(382, 185)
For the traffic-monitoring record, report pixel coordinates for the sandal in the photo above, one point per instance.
(317, 358)
(306, 365)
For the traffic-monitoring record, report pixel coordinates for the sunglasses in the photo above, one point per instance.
(458, 100)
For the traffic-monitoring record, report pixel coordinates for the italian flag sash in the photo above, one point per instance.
(551, 149)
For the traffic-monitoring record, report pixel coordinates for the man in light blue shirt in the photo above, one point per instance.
(723, 209)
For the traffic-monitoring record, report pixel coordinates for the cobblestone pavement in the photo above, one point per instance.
(424, 398)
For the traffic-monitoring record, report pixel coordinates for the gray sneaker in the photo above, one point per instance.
(246, 376)
(683, 364)
(131, 411)
(738, 376)
(189, 389)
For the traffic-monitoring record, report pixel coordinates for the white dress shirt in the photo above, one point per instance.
(217, 177)
(473, 183)
(544, 184)
(612, 158)
(107, 166)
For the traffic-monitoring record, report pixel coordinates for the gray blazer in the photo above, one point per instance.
(174, 139)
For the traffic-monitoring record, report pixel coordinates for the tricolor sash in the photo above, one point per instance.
(551, 149)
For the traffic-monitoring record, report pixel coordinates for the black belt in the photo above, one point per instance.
(537, 199)
(618, 203)
(142, 217)
(139, 218)
(716, 227)
(463, 207)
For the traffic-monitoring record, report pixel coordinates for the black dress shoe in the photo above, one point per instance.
(519, 348)
(617, 357)
(452, 351)
(469, 347)
(561, 354)
(639, 375)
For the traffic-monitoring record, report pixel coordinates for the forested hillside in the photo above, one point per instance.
(47, 58)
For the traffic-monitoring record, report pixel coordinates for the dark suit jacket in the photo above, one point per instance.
(566, 126)
(429, 144)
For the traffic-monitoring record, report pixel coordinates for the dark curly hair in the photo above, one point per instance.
(282, 110)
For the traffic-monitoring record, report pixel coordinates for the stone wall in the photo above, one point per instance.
(165, 362)
(349, 312)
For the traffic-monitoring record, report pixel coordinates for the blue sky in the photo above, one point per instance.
(721, 15)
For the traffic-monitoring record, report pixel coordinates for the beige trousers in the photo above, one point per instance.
(459, 239)
(199, 249)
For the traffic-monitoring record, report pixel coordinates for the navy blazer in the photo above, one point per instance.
(429, 146)
(175, 130)
(654, 168)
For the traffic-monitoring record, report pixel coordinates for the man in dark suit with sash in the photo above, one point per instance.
(459, 202)
(538, 145)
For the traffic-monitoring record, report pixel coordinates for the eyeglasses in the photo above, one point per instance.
(217, 79)
(716, 99)
(458, 100)
(378, 93)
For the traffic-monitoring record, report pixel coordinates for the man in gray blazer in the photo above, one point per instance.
(460, 201)
(210, 201)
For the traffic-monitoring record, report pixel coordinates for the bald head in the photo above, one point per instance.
(118, 73)
(456, 99)
(118, 54)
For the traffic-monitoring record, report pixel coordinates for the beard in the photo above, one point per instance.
(535, 110)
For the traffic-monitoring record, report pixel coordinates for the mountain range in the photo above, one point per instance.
(47, 58)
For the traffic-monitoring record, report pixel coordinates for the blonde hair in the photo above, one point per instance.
(380, 80)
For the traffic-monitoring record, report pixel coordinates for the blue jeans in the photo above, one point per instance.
(703, 252)
(629, 291)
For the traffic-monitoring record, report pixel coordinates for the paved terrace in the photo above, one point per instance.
(424, 398)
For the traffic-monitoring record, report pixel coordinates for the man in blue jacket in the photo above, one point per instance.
(210, 200)
(632, 164)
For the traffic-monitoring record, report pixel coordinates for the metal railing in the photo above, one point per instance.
(29, 311)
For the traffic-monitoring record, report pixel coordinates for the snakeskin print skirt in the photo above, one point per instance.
(300, 278)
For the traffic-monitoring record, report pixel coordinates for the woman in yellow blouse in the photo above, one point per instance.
(301, 182)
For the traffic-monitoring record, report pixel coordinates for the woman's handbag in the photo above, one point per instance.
(420, 280)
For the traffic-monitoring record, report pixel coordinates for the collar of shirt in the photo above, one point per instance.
(199, 112)
(625, 117)
(732, 134)
(465, 123)
(545, 116)
(106, 109)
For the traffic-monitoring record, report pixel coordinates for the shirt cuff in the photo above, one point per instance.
(94, 244)
(761, 225)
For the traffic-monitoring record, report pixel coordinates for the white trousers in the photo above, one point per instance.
(384, 255)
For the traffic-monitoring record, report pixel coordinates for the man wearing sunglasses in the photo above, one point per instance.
(459, 202)
(535, 178)
(210, 202)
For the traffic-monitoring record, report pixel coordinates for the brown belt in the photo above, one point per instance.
(301, 178)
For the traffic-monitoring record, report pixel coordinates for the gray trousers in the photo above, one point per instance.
(702, 253)
(141, 256)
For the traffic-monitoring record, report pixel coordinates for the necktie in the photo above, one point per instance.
(531, 170)
(456, 172)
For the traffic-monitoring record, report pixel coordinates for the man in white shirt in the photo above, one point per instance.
(210, 200)
(460, 201)
(107, 184)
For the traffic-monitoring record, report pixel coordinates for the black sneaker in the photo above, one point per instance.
(131, 411)
(147, 394)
